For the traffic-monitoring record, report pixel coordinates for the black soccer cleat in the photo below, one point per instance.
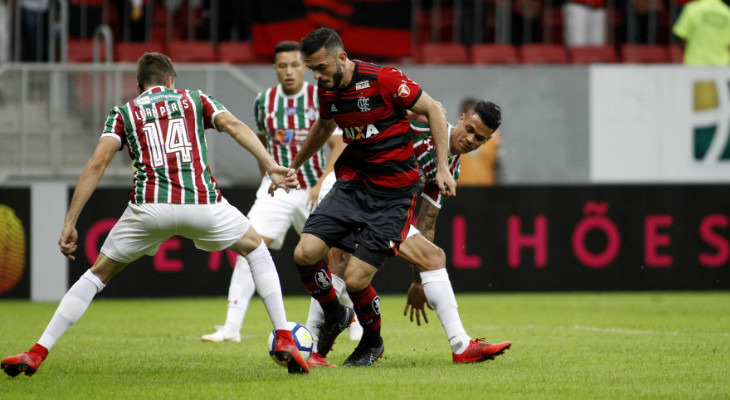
(364, 356)
(329, 330)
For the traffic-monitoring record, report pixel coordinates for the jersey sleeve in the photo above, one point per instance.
(114, 126)
(324, 106)
(259, 114)
(397, 87)
(211, 108)
(432, 194)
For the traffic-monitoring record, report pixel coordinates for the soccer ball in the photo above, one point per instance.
(302, 338)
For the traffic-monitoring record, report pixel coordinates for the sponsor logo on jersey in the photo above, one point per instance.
(359, 132)
(363, 103)
(156, 97)
(290, 136)
(290, 111)
(404, 90)
(362, 85)
(333, 108)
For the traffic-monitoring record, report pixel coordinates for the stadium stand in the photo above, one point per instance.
(543, 54)
(644, 53)
(235, 52)
(494, 54)
(191, 51)
(442, 53)
(592, 54)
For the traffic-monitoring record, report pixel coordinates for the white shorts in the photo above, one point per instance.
(143, 227)
(273, 216)
(329, 182)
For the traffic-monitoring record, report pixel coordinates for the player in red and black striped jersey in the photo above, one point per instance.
(174, 194)
(377, 180)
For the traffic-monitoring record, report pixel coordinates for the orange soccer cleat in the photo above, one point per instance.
(27, 362)
(479, 351)
(287, 352)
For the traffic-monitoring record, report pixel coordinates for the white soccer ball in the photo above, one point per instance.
(302, 338)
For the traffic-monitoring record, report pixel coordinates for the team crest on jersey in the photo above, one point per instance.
(311, 113)
(290, 111)
(404, 90)
(363, 103)
(359, 132)
(362, 85)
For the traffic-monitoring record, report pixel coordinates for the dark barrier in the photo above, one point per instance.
(15, 243)
(496, 239)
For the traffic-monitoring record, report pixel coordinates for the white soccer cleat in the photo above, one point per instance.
(221, 335)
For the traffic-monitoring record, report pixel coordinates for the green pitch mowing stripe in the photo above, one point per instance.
(565, 346)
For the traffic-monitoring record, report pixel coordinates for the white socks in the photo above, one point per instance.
(316, 314)
(239, 294)
(267, 284)
(440, 294)
(73, 305)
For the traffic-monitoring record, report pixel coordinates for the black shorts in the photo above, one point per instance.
(346, 218)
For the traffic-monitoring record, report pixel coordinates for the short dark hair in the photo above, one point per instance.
(321, 37)
(154, 69)
(490, 113)
(286, 45)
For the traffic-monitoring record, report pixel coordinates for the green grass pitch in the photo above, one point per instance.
(656, 345)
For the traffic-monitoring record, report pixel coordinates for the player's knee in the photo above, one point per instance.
(433, 258)
(303, 255)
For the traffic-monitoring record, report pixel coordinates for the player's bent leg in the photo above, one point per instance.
(72, 307)
(424, 255)
(358, 275)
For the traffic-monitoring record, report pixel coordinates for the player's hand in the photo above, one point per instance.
(283, 177)
(417, 302)
(313, 199)
(446, 182)
(67, 242)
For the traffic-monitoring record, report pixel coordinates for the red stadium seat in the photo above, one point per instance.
(132, 51)
(442, 53)
(644, 53)
(191, 51)
(676, 54)
(83, 51)
(593, 54)
(543, 54)
(235, 52)
(494, 54)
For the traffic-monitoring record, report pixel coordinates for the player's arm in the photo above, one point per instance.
(262, 138)
(319, 134)
(89, 179)
(336, 146)
(437, 124)
(280, 176)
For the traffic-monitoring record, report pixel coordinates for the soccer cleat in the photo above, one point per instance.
(329, 330)
(287, 352)
(221, 334)
(479, 351)
(27, 362)
(316, 360)
(364, 356)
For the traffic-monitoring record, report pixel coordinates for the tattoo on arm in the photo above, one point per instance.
(427, 215)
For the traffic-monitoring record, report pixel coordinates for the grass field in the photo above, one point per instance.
(565, 346)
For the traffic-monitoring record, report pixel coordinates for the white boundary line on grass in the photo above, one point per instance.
(645, 332)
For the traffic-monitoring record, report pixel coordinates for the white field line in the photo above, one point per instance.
(647, 332)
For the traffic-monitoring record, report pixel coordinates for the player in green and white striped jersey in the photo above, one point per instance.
(284, 113)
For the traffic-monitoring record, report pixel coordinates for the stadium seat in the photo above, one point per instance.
(593, 54)
(442, 53)
(191, 51)
(494, 54)
(235, 52)
(676, 54)
(543, 54)
(132, 51)
(83, 51)
(644, 53)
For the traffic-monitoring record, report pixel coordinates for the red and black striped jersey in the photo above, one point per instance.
(371, 111)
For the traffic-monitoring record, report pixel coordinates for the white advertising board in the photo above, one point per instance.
(659, 123)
